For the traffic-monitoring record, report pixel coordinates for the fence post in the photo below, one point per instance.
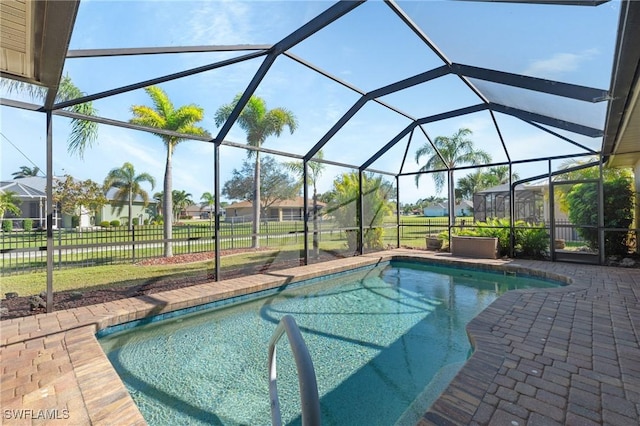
(59, 248)
(232, 237)
(189, 239)
(133, 246)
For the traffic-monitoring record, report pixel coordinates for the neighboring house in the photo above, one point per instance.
(279, 211)
(110, 211)
(32, 192)
(530, 203)
(464, 208)
(33, 203)
(436, 210)
(196, 211)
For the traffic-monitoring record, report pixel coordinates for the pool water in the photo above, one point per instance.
(384, 341)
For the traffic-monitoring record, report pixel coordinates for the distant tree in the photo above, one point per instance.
(26, 171)
(481, 180)
(208, 200)
(344, 207)
(275, 183)
(457, 150)
(83, 133)
(128, 186)
(181, 200)
(499, 175)
(9, 202)
(72, 195)
(157, 200)
(163, 115)
(259, 123)
(314, 171)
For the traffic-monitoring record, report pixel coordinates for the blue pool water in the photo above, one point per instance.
(384, 341)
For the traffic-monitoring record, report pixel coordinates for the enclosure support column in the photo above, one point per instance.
(452, 202)
(50, 222)
(397, 211)
(305, 213)
(360, 205)
(512, 213)
(216, 207)
(552, 217)
(601, 238)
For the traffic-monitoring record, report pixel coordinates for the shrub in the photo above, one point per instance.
(105, 224)
(27, 225)
(145, 222)
(75, 221)
(618, 212)
(532, 241)
(373, 238)
(7, 225)
(135, 221)
(115, 223)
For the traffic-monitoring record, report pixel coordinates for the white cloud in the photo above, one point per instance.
(224, 22)
(559, 64)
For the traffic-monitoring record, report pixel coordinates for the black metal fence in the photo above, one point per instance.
(25, 251)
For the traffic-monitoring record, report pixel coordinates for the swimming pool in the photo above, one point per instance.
(385, 341)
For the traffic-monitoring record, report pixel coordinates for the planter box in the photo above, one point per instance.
(434, 243)
(478, 247)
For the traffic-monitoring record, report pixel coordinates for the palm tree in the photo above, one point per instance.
(208, 200)
(128, 185)
(259, 123)
(9, 202)
(456, 150)
(83, 133)
(500, 175)
(164, 116)
(157, 199)
(181, 200)
(314, 172)
(471, 184)
(26, 171)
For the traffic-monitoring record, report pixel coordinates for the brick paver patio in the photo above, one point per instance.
(562, 356)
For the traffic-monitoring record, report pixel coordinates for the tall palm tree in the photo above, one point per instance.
(9, 202)
(181, 200)
(128, 185)
(456, 150)
(83, 133)
(26, 171)
(259, 123)
(208, 200)
(163, 115)
(315, 170)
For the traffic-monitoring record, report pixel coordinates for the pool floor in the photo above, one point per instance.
(385, 342)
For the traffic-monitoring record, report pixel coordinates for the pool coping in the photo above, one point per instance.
(54, 362)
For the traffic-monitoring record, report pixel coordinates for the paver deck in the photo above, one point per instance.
(561, 356)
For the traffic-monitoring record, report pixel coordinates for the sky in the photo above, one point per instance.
(368, 48)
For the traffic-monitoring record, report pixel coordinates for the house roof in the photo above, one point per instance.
(529, 186)
(38, 184)
(21, 190)
(291, 203)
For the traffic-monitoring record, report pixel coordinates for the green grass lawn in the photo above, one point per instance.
(113, 266)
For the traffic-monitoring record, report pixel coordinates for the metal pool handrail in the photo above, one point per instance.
(306, 374)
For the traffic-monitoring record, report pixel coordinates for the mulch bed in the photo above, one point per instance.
(21, 306)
